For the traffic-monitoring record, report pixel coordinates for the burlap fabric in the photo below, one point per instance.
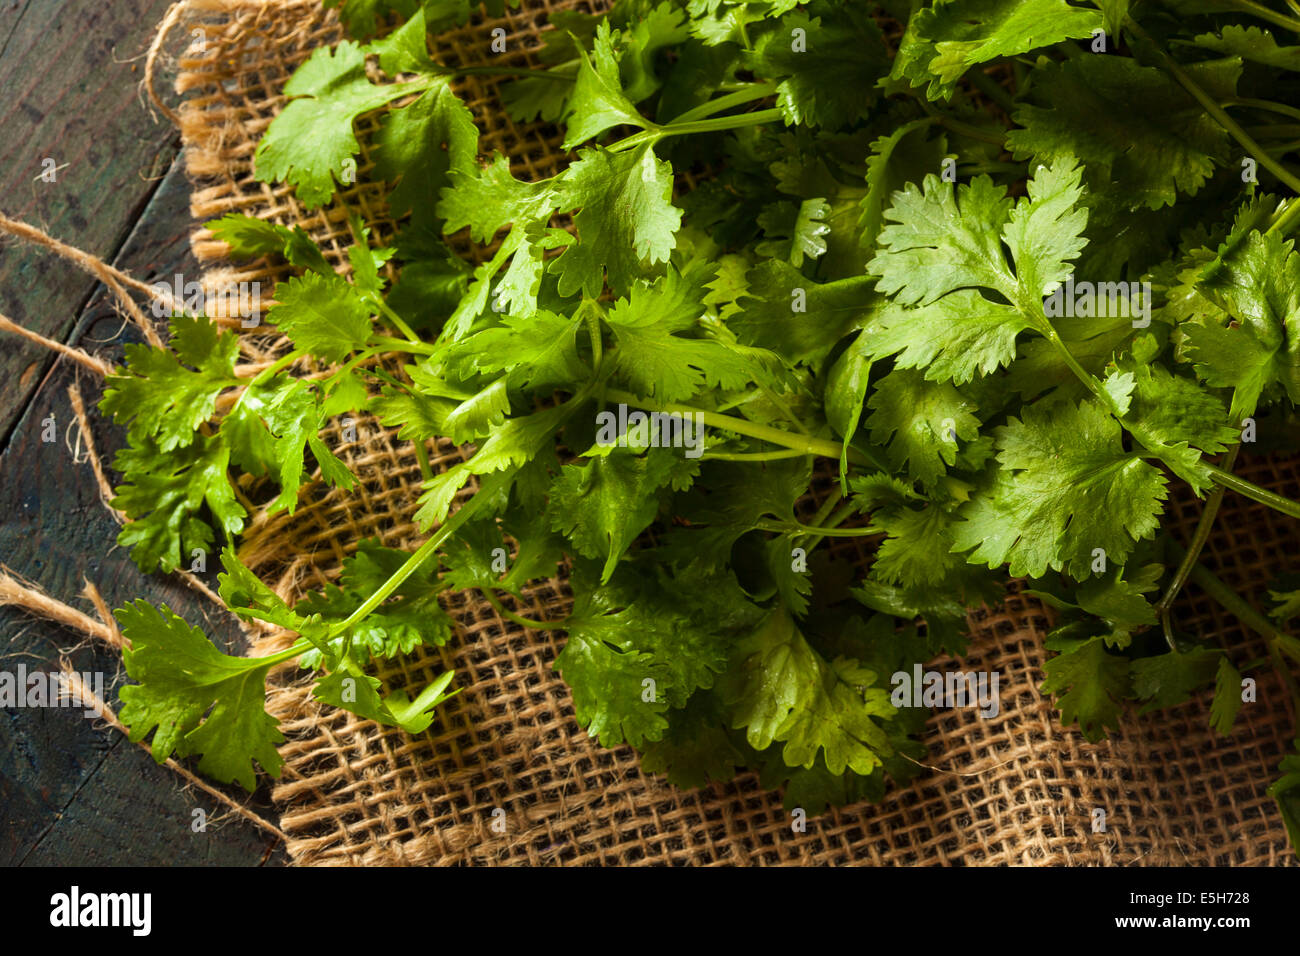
(1016, 789)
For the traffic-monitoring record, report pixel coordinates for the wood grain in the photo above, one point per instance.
(68, 94)
(71, 790)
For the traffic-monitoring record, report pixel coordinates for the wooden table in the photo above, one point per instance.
(71, 790)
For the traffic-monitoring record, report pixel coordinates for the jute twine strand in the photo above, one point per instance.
(116, 280)
(99, 366)
(23, 594)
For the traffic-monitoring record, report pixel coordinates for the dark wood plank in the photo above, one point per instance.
(72, 791)
(102, 823)
(67, 94)
(69, 791)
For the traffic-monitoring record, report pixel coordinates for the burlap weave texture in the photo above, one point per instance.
(1015, 789)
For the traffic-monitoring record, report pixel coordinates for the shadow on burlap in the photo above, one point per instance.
(1016, 789)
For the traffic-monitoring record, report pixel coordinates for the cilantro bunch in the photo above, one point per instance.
(829, 233)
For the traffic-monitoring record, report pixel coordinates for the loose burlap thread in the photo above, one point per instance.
(505, 775)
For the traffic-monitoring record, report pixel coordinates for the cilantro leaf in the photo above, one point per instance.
(1286, 791)
(274, 424)
(162, 398)
(827, 79)
(1091, 685)
(411, 618)
(696, 748)
(797, 318)
(894, 161)
(352, 689)
(323, 315)
(1251, 43)
(511, 444)
(919, 549)
(1169, 679)
(361, 18)
(598, 102)
(164, 493)
(1065, 491)
(921, 422)
(938, 240)
(795, 230)
(1129, 123)
(249, 238)
(1227, 696)
(537, 352)
(944, 40)
(476, 557)
(489, 199)
(954, 339)
(943, 245)
(310, 144)
(604, 505)
(625, 217)
(418, 145)
(654, 360)
(195, 699)
(779, 689)
(1260, 348)
(726, 21)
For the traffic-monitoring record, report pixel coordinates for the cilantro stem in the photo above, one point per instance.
(814, 532)
(385, 377)
(974, 169)
(827, 506)
(971, 131)
(992, 89)
(352, 363)
(719, 123)
(740, 426)
(829, 527)
(1264, 13)
(753, 91)
(591, 317)
(754, 455)
(963, 128)
(487, 491)
(1231, 601)
(398, 322)
(1083, 375)
(260, 378)
(1283, 221)
(519, 618)
(1213, 108)
(422, 457)
(296, 649)
(1255, 492)
(275, 367)
(1240, 485)
(712, 125)
(398, 345)
(1199, 538)
(783, 408)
